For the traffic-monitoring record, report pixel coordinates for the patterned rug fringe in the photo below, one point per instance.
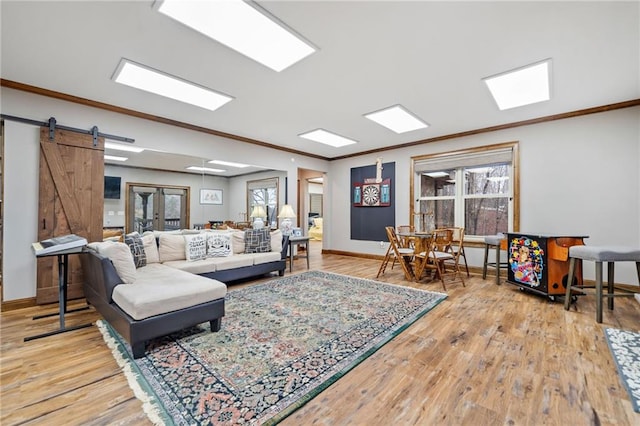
(150, 405)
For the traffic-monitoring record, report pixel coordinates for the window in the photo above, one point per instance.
(264, 192)
(473, 189)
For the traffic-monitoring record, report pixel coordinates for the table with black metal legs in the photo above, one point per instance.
(63, 262)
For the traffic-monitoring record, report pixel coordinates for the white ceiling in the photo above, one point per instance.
(428, 56)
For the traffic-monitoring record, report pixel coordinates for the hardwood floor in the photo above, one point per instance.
(486, 355)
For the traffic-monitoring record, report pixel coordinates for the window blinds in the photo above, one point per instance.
(469, 159)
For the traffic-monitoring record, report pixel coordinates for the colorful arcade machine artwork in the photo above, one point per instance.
(526, 262)
(540, 262)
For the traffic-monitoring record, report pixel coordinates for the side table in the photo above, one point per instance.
(297, 241)
(63, 262)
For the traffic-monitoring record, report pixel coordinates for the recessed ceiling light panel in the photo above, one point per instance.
(150, 80)
(327, 138)
(397, 118)
(120, 147)
(436, 175)
(229, 164)
(242, 26)
(205, 169)
(115, 158)
(523, 86)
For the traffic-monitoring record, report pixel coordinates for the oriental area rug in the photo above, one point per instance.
(625, 348)
(280, 345)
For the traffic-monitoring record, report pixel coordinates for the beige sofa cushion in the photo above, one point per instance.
(150, 247)
(200, 267)
(232, 262)
(171, 247)
(160, 289)
(276, 241)
(120, 256)
(259, 258)
(238, 242)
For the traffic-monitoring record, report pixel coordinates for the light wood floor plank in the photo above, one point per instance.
(486, 355)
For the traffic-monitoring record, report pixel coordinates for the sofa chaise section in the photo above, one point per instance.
(162, 300)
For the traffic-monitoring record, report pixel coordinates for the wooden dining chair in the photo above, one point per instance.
(457, 246)
(423, 260)
(446, 263)
(403, 255)
(404, 240)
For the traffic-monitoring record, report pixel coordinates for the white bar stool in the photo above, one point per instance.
(493, 242)
(599, 254)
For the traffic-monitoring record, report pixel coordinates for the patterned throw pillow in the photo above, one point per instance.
(134, 241)
(219, 244)
(257, 240)
(195, 247)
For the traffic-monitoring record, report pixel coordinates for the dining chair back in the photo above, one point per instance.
(457, 246)
(445, 261)
(404, 255)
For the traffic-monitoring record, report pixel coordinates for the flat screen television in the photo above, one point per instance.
(112, 187)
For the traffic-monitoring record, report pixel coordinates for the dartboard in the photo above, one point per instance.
(371, 195)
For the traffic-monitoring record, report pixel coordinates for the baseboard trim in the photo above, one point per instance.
(473, 270)
(379, 257)
(12, 305)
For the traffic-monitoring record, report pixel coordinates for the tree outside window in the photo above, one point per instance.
(471, 189)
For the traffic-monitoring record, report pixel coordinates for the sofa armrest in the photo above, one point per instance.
(285, 247)
(100, 274)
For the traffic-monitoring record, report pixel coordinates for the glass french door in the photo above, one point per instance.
(156, 207)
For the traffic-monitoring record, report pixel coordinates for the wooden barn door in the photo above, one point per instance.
(71, 201)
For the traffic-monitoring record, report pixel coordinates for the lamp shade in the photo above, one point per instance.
(258, 211)
(286, 212)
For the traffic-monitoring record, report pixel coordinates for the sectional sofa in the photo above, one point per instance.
(157, 284)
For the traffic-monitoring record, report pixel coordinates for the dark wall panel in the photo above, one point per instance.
(367, 223)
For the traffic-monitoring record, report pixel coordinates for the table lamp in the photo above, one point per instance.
(286, 214)
(257, 214)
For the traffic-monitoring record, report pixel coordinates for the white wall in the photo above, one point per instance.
(577, 176)
(21, 169)
(21, 182)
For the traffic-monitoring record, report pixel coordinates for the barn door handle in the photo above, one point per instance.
(44, 223)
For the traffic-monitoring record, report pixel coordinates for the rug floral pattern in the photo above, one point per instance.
(281, 343)
(625, 348)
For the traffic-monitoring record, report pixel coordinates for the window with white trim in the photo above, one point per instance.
(473, 189)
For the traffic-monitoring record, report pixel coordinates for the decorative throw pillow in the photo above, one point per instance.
(257, 240)
(195, 247)
(134, 241)
(219, 244)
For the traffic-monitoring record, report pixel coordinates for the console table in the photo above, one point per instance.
(297, 241)
(540, 262)
(63, 261)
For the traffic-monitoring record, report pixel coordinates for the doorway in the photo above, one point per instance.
(310, 197)
(151, 207)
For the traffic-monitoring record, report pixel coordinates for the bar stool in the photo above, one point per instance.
(493, 242)
(599, 254)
